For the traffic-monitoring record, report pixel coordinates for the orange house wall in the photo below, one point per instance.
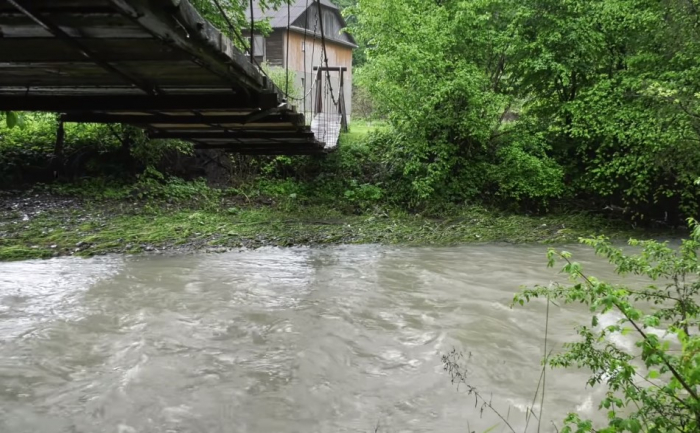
(338, 55)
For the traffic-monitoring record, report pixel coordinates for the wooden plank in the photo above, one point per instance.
(178, 120)
(137, 103)
(181, 26)
(119, 50)
(61, 5)
(178, 127)
(273, 152)
(61, 34)
(259, 146)
(331, 68)
(212, 136)
(174, 73)
(247, 146)
(110, 90)
(76, 25)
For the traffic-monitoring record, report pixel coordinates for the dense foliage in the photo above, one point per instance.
(654, 388)
(522, 104)
(27, 153)
(534, 100)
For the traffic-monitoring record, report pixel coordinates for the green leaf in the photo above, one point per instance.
(11, 119)
(490, 429)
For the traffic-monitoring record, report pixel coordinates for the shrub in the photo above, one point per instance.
(655, 389)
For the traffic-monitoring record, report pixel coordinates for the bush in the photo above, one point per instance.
(655, 389)
(27, 153)
(149, 185)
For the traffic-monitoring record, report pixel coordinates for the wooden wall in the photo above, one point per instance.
(309, 53)
(305, 52)
(274, 46)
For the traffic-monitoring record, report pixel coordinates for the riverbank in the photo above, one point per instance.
(42, 225)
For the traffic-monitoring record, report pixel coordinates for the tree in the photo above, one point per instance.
(654, 389)
(439, 72)
(613, 87)
(605, 92)
(222, 13)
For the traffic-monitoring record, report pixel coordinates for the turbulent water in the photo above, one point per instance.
(344, 339)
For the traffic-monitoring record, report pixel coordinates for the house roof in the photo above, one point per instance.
(278, 18)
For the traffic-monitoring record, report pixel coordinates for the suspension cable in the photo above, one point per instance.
(325, 53)
(286, 62)
(318, 23)
(313, 56)
(232, 28)
(252, 33)
(306, 28)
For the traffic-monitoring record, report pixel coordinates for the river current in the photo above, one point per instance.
(337, 339)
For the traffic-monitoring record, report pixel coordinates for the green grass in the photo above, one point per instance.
(103, 228)
(159, 212)
(358, 129)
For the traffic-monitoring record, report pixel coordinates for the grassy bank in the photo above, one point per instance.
(42, 225)
(346, 197)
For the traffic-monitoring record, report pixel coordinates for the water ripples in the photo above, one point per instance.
(287, 340)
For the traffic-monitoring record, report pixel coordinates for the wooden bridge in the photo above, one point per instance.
(156, 64)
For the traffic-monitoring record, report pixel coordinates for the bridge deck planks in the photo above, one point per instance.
(163, 61)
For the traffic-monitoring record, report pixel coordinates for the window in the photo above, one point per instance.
(259, 46)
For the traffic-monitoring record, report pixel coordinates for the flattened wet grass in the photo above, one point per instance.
(87, 229)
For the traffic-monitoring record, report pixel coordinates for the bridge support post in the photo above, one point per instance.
(319, 93)
(342, 110)
(57, 160)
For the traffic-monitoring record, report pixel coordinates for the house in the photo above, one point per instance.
(303, 39)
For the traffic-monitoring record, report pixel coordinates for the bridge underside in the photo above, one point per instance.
(155, 64)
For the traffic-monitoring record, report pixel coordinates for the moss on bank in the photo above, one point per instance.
(44, 226)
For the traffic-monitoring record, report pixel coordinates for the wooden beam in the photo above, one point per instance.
(225, 127)
(173, 73)
(22, 50)
(331, 68)
(249, 147)
(63, 5)
(252, 147)
(275, 152)
(138, 103)
(233, 135)
(68, 39)
(179, 24)
(177, 120)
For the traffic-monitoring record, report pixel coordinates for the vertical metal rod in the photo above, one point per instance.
(58, 147)
(252, 34)
(319, 92)
(342, 109)
(286, 62)
(306, 28)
